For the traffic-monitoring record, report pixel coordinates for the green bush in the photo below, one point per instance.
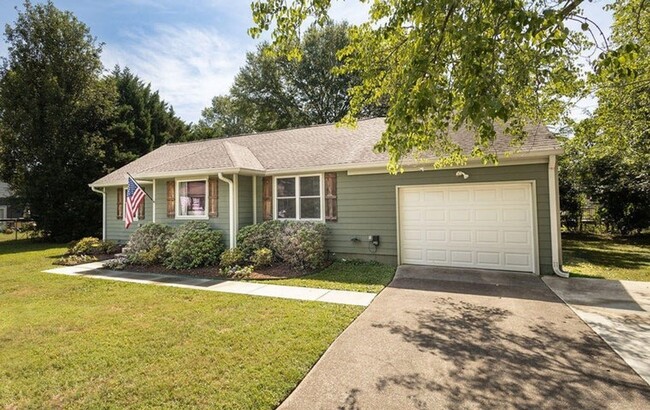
(236, 271)
(194, 245)
(71, 260)
(92, 246)
(258, 236)
(116, 264)
(86, 246)
(301, 244)
(231, 257)
(148, 244)
(262, 257)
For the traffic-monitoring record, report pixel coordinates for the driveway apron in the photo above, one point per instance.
(453, 338)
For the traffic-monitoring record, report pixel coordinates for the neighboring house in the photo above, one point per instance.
(8, 209)
(480, 216)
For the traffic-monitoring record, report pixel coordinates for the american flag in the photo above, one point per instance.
(134, 197)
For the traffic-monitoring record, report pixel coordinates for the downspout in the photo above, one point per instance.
(231, 209)
(254, 199)
(103, 192)
(556, 238)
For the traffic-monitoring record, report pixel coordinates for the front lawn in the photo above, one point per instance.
(607, 258)
(351, 275)
(84, 343)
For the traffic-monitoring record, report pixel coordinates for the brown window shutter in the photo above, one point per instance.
(331, 212)
(120, 203)
(213, 193)
(171, 199)
(267, 198)
(141, 210)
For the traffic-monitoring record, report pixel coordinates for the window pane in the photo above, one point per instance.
(286, 208)
(310, 208)
(286, 187)
(191, 197)
(309, 186)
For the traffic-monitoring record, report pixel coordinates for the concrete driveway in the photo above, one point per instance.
(618, 310)
(445, 338)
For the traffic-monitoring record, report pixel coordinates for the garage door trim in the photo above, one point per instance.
(533, 190)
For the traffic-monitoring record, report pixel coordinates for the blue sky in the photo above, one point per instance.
(189, 50)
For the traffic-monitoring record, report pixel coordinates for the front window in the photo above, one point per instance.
(298, 197)
(192, 198)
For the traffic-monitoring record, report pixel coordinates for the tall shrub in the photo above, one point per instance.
(193, 245)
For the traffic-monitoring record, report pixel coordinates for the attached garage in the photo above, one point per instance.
(480, 225)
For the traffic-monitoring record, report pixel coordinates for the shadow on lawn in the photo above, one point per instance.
(490, 364)
(28, 245)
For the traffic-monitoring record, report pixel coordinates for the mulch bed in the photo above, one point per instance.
(276, 271)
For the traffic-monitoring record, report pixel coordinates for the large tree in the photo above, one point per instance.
(272, 92)
(444, 64)
(53, 109)
(142, 123)
(611, 149)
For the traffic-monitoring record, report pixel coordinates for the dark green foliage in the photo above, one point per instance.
(53, 111)
(193, 245)
(271, 92)
(148, 244)
(258, 236)
(143, 122)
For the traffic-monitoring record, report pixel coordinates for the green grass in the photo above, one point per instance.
(74, 342)
(607, 258)
(352, 275)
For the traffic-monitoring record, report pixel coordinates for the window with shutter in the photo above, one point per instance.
(331, 211)
(213, 195)
(120, 203)
(171, 198)
(267, 198)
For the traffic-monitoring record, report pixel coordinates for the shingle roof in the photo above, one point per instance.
(285, 150)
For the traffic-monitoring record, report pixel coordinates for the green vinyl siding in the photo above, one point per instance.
(245, 199)
(367, 206)
(115, 227)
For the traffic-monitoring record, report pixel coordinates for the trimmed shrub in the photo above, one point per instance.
(262, 257)
(194, 245)
(86, 246)
(236, 272)
(253, 237)
(92, 246)
(115, 264)
(148, 244)
(72, 260)
(231, 257)
(301, 244)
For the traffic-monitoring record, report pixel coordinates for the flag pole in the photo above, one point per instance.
(143, 190)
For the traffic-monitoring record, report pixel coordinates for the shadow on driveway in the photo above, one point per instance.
(469, 339)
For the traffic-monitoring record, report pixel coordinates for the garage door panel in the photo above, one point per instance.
(483, 226)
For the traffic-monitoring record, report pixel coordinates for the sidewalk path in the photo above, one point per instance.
(94, 270)
(618, 310)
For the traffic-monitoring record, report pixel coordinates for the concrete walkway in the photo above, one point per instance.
(618, 310)
(94, 270)
(440, 338)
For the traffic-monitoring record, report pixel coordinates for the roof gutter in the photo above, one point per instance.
(556, 238)
(103, 192)
(231, 209)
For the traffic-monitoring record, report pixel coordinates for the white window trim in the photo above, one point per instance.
(207, 199)
(297, 218)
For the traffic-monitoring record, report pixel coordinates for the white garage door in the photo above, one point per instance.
(473, 225)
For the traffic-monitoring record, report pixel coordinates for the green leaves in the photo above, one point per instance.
(442, 65)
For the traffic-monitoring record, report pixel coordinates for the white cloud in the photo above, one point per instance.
(188, 65)
(352, 11)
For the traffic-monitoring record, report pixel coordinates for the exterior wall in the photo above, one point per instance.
(367, 206)
(245, 199)
(115, 227)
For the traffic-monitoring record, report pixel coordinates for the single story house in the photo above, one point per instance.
(503, 217)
